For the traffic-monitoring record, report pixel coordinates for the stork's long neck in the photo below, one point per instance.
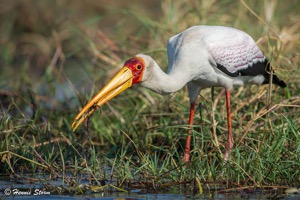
(163, 83)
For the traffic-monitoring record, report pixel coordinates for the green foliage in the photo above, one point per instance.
(54, 57)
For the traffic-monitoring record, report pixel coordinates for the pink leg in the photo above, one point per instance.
(229, 145)
(187, 149)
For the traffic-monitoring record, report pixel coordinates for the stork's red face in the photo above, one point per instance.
(130, 74)
(136, 65)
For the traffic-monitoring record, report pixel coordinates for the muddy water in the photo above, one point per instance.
(136, 196)
(15, 192)
(36, 190)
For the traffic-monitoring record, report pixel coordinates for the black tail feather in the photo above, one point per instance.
(276, 79)
(278, 82)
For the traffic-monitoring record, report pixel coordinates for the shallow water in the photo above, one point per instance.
(136, 196)
(18, 189)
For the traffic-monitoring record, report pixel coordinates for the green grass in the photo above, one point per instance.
(53, 64)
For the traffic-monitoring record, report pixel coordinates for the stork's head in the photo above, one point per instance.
(131, 73)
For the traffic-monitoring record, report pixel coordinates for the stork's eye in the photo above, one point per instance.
(138, 67)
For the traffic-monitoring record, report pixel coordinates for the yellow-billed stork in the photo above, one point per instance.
(199, 57)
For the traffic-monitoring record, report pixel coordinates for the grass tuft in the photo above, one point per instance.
(54, 57)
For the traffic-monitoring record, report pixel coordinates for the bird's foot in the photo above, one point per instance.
(226, 155)
(228, 147)
(227, 151)
(186, 157)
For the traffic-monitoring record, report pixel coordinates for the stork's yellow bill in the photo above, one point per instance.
(130, 74)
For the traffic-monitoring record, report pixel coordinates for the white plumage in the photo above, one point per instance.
(199, 57)
(195, 54)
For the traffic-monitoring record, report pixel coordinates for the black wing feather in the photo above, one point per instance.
(259, 68)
